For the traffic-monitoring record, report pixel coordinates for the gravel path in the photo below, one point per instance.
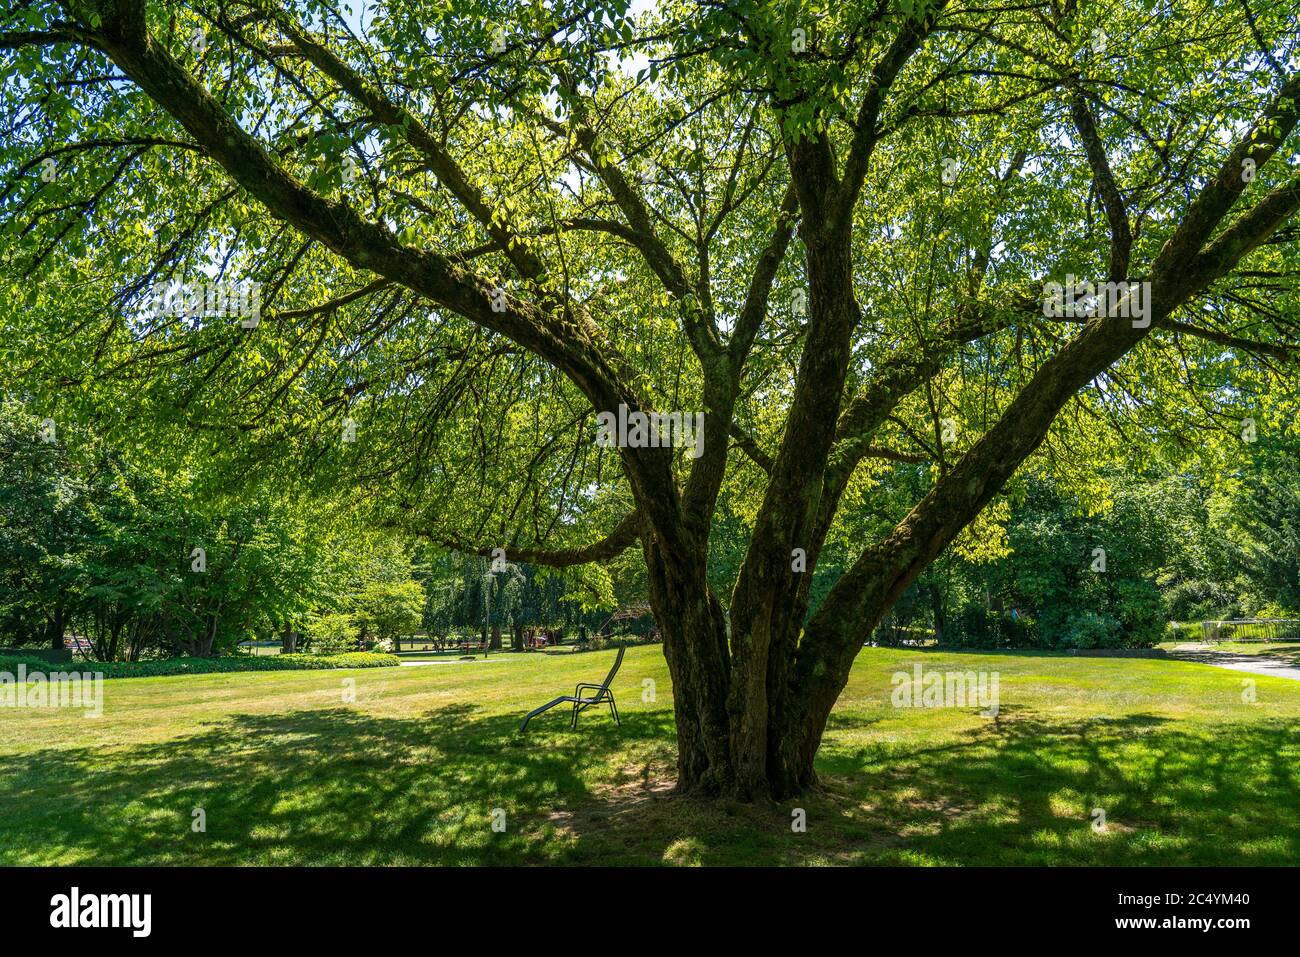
(1255, 664)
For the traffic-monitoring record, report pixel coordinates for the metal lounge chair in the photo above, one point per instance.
(582, 702)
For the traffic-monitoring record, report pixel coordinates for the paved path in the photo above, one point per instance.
(1255, 664)
(421, 662)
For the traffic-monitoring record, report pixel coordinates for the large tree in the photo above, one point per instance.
(827, 226)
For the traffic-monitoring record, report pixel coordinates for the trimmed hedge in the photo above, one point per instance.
(203, 666)
(596, 643)
(58, 656)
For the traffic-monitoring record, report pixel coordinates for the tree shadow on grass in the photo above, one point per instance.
(324, 786)
(1286, 655)
(345, 787)
(1017, 790)
(1025, 790)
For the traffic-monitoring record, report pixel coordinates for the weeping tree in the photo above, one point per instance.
(501, 584)
(833, 248)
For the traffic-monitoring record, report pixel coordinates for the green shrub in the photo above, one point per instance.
(333, 634)
(1184, 631)
(10, 663)
(598, 643)
(978, 627)
(200, 666)
(1089, 629)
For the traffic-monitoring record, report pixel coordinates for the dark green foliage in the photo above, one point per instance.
(1176, 549)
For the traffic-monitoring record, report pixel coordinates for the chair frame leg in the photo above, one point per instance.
(578, 707)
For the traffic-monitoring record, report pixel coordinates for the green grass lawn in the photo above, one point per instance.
(287, 772)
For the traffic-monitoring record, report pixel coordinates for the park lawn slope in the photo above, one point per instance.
(408, 766)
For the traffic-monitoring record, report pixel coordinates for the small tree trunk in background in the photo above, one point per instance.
(936, 603)
(58, 624)
(496, 638)
(114, 639)
(289, 640)
(209, 636)
(517, 638)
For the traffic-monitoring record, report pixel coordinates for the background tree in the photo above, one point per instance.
(43, 496)
(388, 600)
(1257, 518)
(106, 549)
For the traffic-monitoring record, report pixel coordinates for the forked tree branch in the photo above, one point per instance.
(621, 537)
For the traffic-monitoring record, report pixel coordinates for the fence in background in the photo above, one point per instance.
(1252, 629)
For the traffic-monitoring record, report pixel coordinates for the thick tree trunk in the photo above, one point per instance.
(715, 754)
(743, 722)
(713, 757)
(695, 646)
